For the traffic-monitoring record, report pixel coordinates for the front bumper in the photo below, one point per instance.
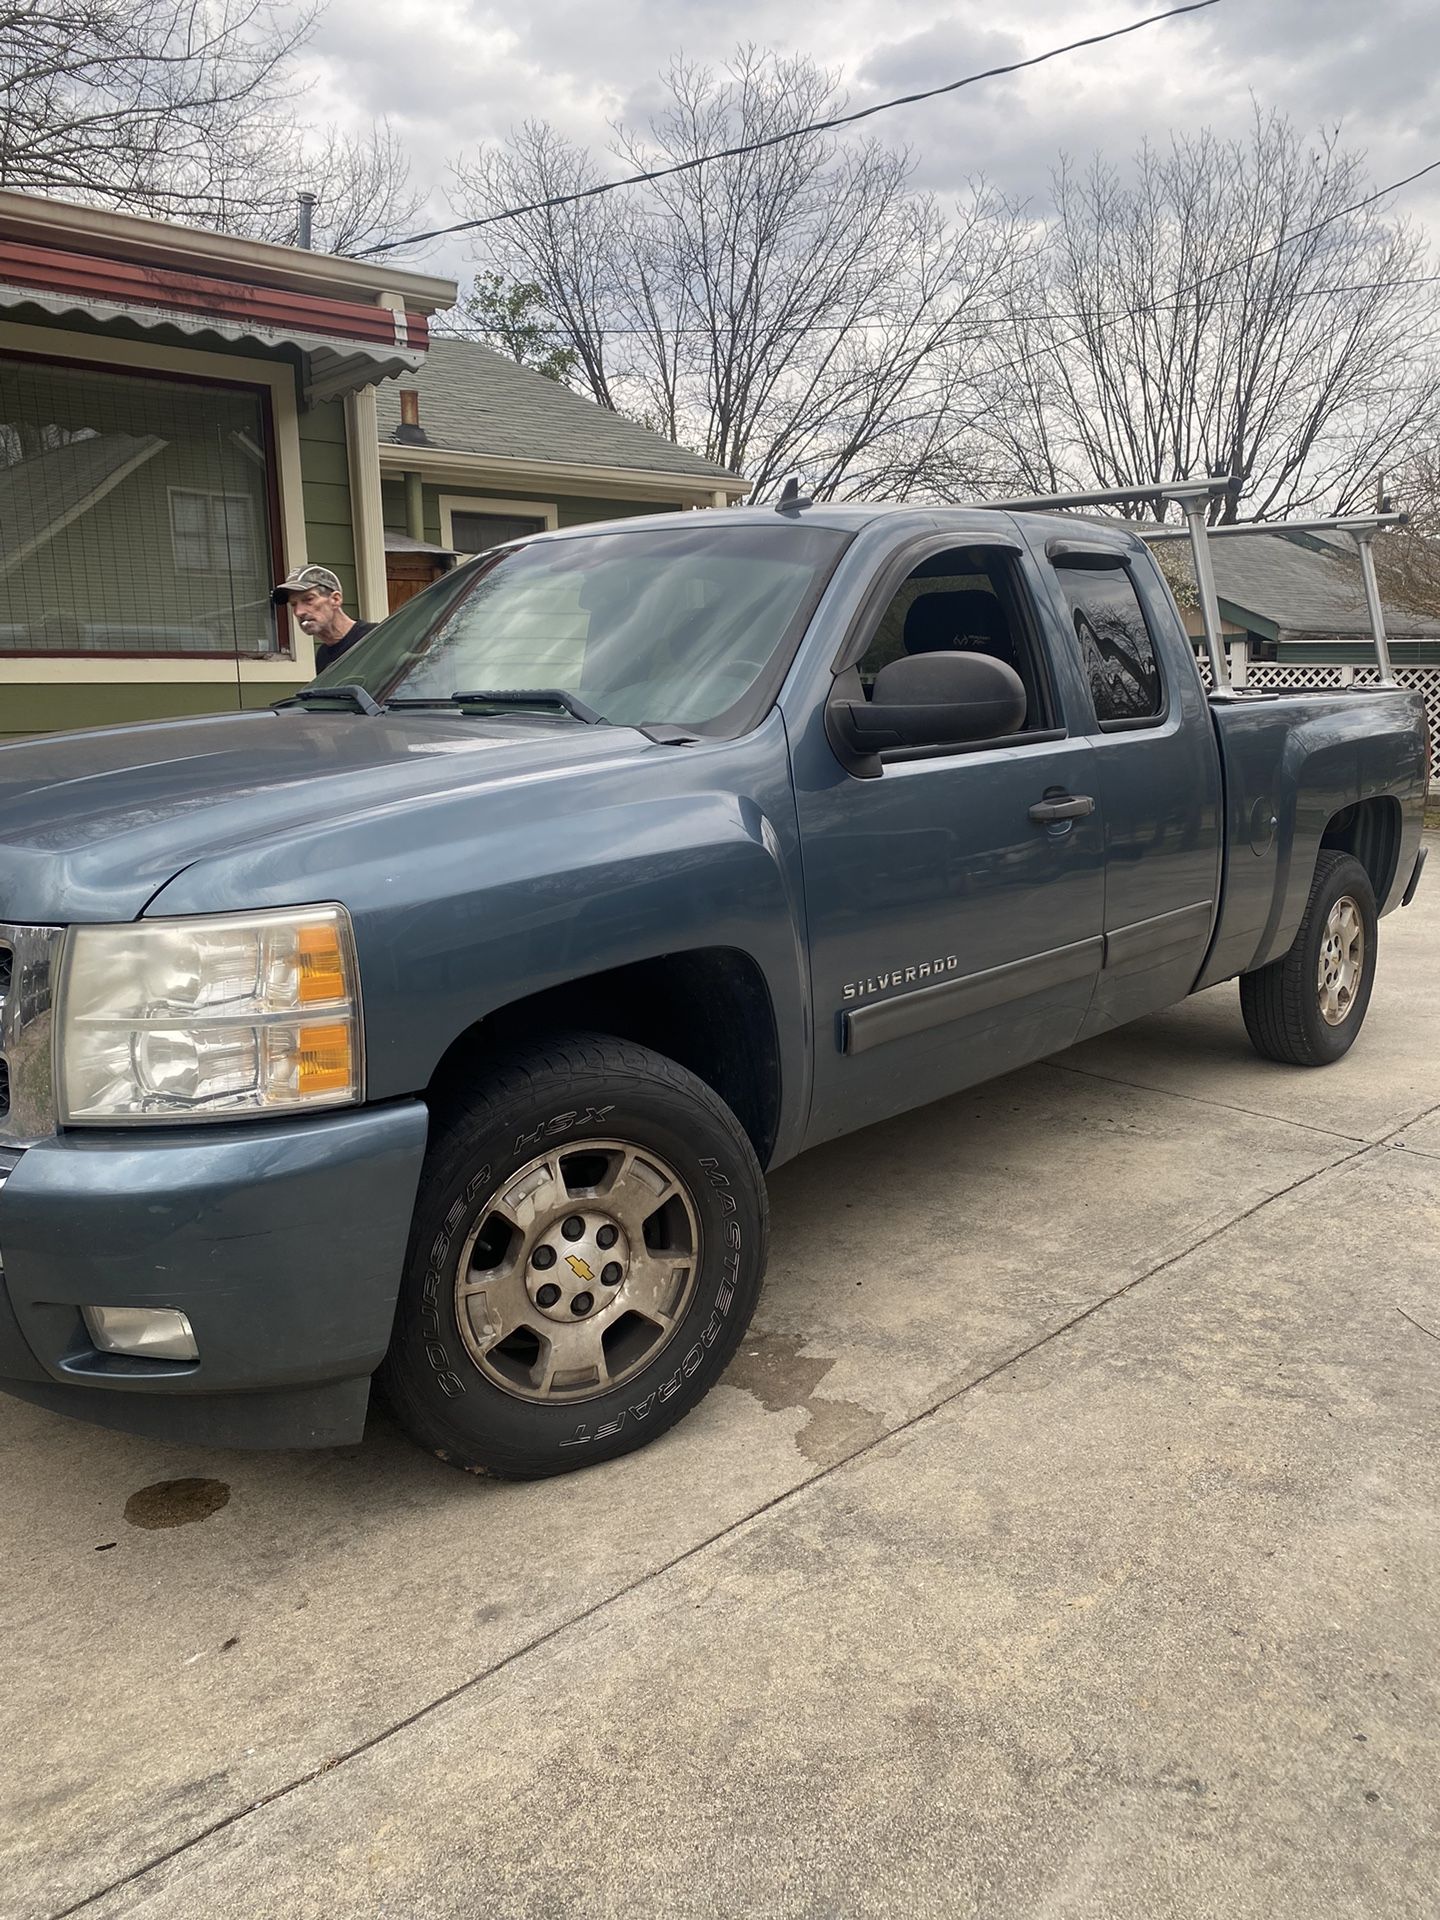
(282, 1242)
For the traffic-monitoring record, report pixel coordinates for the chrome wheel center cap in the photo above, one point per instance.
(576, 1266)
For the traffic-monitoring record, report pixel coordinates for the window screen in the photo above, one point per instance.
(475, 532)
(134, 515)
(1115, 642)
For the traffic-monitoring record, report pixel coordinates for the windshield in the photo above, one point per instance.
(661, 625)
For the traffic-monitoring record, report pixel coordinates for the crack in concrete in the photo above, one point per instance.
(1207, 1238)
(1202, 1100)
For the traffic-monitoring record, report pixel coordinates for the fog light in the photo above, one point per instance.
(155, 1333)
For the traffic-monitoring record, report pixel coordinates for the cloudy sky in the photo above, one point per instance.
(454, 74)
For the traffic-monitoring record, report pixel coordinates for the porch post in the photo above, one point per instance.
(367, 520)
(415, 506)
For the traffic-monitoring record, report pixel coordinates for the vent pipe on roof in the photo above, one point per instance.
(305, 205)
(410, 433)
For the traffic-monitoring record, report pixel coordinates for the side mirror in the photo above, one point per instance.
(931, 700)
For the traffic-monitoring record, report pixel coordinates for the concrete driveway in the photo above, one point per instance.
(1063, 1543)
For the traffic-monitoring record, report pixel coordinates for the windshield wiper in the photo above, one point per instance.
(661, 731)
(532, 697)
(349, 692)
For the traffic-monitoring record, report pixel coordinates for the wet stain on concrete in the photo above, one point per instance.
(176, 1503)
(772, 1367)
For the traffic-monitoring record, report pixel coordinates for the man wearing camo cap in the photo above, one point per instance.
(313, 596)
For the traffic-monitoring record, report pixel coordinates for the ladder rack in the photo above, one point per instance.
(1193, 498)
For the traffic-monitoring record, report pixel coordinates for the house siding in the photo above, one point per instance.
(329, 539)
(572, 510)
(1359, 653)
(51, 709)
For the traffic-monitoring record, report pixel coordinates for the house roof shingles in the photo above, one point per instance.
(1306, 585)
(474, 400)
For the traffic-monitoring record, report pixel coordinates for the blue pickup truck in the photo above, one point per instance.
(435, 1028)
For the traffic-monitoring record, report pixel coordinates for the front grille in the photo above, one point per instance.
(29, 958)
(7, 970)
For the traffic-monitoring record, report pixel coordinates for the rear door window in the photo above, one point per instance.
(1116, 647)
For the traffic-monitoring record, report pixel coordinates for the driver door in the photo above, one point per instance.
(954, 934)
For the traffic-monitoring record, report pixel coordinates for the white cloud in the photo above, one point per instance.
(451, 74)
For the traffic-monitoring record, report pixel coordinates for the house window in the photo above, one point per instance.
(212, 532)
(135, 515)
(474, 532)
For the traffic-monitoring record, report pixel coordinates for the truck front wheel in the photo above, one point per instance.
(588, 1248)
(1307, 1007)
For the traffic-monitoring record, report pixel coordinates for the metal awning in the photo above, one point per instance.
(403, 543)
(346, 344)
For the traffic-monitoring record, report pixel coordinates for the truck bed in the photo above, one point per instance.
(1301, 770)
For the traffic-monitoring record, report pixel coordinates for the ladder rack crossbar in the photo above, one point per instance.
(1193, 498)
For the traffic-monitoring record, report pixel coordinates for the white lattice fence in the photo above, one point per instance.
(1271, 677)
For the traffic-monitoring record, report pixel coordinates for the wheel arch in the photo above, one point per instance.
(709, 1008)
(1369, 830)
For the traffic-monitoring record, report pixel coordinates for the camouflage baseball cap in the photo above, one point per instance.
(305, 580)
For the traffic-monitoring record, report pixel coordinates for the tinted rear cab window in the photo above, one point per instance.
(1116, 648)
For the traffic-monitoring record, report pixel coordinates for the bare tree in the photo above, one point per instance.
(361, 184)
(795, 306)
(184, 109)
(1210, 312)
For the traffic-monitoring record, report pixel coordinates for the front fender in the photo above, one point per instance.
(469, 902)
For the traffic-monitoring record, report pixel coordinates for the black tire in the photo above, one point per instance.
(556, 1097)
(1282, 1004)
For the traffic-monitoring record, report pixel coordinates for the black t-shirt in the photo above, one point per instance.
(327, 656)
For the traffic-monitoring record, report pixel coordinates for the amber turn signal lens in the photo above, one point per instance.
(324, 1062)
(322, 968)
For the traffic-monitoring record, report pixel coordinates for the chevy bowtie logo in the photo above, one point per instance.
(578, 1267)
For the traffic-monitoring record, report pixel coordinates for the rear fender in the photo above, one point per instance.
(1291, 767)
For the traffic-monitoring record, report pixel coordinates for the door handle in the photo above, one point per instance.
(1069, 806)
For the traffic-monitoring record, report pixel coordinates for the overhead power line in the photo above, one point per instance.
(1114, 318)
(475, 330)
(791, 133)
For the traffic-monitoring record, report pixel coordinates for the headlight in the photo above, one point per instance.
(204, 1019)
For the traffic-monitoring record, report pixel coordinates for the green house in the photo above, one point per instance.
(475, 450)
(185, 416)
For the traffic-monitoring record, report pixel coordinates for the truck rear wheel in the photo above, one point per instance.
(1307, 1007)
(588, 1248)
